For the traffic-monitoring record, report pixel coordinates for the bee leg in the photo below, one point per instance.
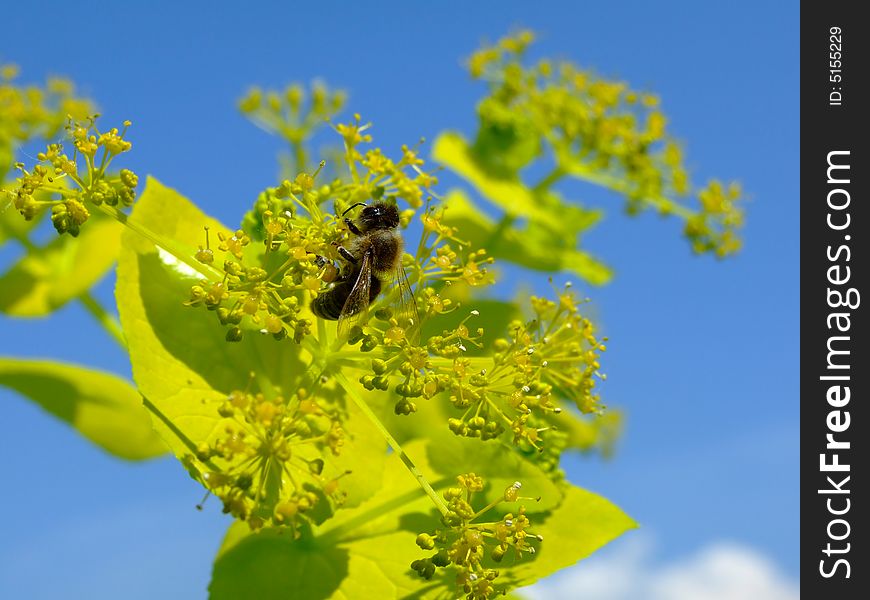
(352, 226)
(345, 253)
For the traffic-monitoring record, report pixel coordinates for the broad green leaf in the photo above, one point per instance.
(181, 361)
(545, 208)
(102, 407)
(48, 277)
(272, 565)
(366, 552)
(533, 247)
(547, 241)
(510, 194)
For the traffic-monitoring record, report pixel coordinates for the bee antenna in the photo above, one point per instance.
(352, 206)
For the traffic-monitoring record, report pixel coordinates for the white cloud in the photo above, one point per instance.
(720, 571)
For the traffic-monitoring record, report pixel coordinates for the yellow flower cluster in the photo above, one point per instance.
(465, 543)
(47, 184)
(597, 130)
(518, 388)
(294, 114)
(263, 461)
(287, 249)
(28, 112)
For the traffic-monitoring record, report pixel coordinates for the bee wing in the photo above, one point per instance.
(406, 310)
(357, 303)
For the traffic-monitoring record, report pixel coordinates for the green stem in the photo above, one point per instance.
(547, 182)
(188, 443)
(299, 156)
(367, 411)
(498, 233)
(104, 318)
(351, 163)
(619, 186)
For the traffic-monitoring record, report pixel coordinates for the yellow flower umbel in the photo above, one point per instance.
(264, 460)
(72, 185)
(30, 112)
(519, 388)
(286, 251)
(471, 545)
(597, 130)
(294, 114)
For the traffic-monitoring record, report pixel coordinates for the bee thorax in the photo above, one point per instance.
(385, 247)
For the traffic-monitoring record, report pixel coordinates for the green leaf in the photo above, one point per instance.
(270, 564)
(102, 407)
(533, 247)
(178, 354)
(548, 239)
(366, 552)
(509, 193)
(181, 361)
(48, 277)
(544, 207)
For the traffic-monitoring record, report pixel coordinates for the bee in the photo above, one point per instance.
(373, 258)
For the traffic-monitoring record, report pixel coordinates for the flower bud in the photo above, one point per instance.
(425, 541)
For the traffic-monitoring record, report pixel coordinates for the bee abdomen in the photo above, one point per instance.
(328, 305)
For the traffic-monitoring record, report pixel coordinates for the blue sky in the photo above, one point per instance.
(703, 354)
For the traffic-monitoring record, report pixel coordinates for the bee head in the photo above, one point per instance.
(379, 216)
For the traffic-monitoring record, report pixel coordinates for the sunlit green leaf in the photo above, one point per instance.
(48, 277)
(178, 355)
(544, 207)
(102, 407)
(509, 193)
(531, 246)
(270, 564)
